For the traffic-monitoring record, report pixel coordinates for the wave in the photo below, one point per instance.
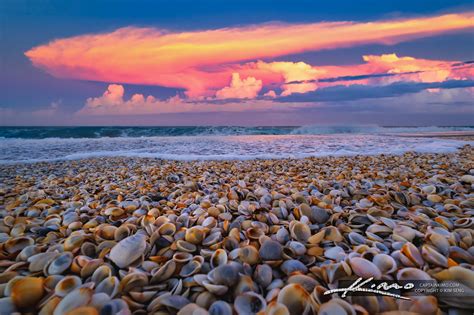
(144, 132)
(229, 147)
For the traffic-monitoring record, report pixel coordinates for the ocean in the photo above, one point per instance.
(38, 144)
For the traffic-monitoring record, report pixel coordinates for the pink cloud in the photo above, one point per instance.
(246, 88)
(112, 102)
(201, 62)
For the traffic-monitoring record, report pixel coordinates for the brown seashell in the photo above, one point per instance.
(16, 245)
(194, 235)
(66, 285)
(27, 292)
(249, 255)
(218, 258)
(295, 298)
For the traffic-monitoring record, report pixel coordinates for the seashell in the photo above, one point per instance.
(27, 292)
(220, 308)
(402, 232)
(335, 253)
(115, 306)
(385, 263)
(300, 231)
(226, 275)
(101, 273)
(290, 266)
(17, 244)
(434, 198)
(245, 284)
(60, 264)
(429, 189)
(460, 255)
(467, 179)
(356, 238)
(216, 289)
(190, 269)
(67, 285)
(88, 249)
(173, 301)
(109, 285)
(275, 308)
(263, 275)
(194, 235)
(440, 242)
(282, 236)
(410, 274)
(185, 246)
(336, 306)
(430, 255)
(182, 257)
(249, 303)
(249, 255)
(412, 254)
(73, 242)
(333, 272)
(39, 261)
(75, 299)
(83, 310)
(212, 239)
(364, 268)
(270, 250)
(167, 229)
(295, 298)
(219, 257)
(128, 250)
(7, 306)
(296, 248)
(134, 280)
(121, 233)
(305, 281)
(193, 309)
(456, 273)
(164, 272)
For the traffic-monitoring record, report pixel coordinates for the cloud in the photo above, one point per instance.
(357, 92)
(112, 103)
(389, 68)
(202, 61)
(246, 88)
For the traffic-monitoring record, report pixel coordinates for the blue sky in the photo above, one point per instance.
(32, 94)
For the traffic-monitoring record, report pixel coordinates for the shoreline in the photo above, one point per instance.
(285, 229)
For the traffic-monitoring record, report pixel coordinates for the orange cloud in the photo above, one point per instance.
(198, 61)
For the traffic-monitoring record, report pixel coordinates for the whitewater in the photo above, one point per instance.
(43, 144)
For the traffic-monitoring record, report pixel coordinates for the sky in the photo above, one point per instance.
(236, 62)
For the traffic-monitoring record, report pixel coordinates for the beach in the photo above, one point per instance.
(148, 235)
